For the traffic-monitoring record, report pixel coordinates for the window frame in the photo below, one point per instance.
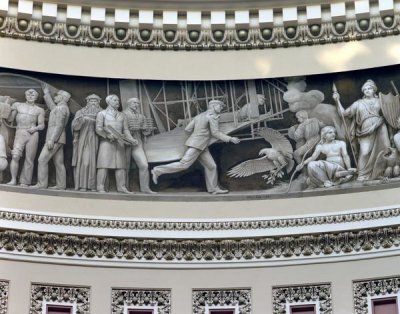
(235, 308)
(154, 308)
(371, 300)
(46, 304)
(291, 304)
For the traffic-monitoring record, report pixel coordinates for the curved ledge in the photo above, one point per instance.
(207, 65)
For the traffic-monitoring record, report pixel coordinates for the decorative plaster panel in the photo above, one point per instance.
(319, 294)
(122, 299)
(42, 294)
(4, 290)
(239, 299)
(366, 289)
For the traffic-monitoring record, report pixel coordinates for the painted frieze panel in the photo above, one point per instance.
(243, 139)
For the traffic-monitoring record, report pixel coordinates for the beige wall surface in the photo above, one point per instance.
(196, 65)
(260, 280)
(202, 210)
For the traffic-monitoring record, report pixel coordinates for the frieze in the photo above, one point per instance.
(237, 299)
(199, 225)
(320, 295)
(4, 290)
(379, 287)
(139, 298)
(76, 297)
(207, 250)
(206, 39)
(249, 139)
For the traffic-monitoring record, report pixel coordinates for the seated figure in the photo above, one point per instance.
(335, 169)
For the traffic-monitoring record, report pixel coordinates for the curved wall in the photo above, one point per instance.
(372, 225)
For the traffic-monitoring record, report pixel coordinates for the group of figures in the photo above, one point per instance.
(330, 145)
(102, 140)
(322, 140)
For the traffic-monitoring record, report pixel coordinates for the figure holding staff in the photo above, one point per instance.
(368, 126)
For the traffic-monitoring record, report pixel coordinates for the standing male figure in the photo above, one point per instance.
(202, 129)
(30, 119)
(112, 127)
(55, 140)
(86, 144)
(138, 128)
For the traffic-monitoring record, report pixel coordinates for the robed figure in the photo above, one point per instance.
(86, 144)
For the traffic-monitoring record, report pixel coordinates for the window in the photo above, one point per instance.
(303, 309)
(385, 306)
(140, 312)
(222, 311)
(58, 309)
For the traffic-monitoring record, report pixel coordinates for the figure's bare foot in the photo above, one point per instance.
(149, 191)
(101, 190)
(328, 184)
(56, 187)
(220, 191)
(38, 186)
(23, 185)
(154, 176)
(12, 182)
(124, 190)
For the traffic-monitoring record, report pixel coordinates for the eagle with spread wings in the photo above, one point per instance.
(272, 160)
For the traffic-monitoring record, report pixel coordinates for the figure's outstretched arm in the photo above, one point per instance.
(47, 97)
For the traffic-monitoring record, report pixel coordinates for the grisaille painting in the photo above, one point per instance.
(272, 136)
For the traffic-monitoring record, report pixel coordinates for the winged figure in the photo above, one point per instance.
(272, 160)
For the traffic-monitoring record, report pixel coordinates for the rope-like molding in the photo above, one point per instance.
(199, 225)
(257, 37)
(192, 250)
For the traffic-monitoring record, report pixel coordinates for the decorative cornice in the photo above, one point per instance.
(161, 299)
(206, 39)
(59, 294)
(202, 250)
(4, 288)
(308, 294)
(247, 224)
(224, 298)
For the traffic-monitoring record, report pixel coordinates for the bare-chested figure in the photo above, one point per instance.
(29, 119)
(335, 169)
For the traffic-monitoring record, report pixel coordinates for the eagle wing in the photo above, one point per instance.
(277, 141)
(250, 167)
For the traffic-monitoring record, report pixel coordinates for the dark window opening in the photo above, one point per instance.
(385, 306)
(303, 309)
(59, 309)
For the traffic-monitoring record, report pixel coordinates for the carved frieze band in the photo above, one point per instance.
(363, 290)
(205, 39)
(42, 294)
(125, 298)
(187, 250)
(231, 298)
(200, 225)
(319, 295)
(4, 288)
